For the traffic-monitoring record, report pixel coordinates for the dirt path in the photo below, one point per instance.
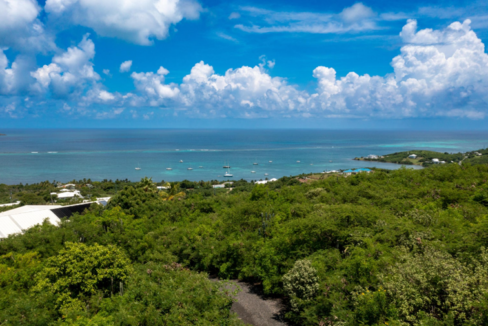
(253, 309)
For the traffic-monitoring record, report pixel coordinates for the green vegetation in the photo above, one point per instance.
(403, 247)
(424, 158)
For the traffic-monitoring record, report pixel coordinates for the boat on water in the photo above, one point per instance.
(253, 171)
(190, 169)
(138, 169)
(266, 174)
(181, 161)
(298, 161)
(169, 169)
(226, 166)
(51, 152)
(228, 174)
(255, 163)
(200, 166)
(270, 161)
(34, 152)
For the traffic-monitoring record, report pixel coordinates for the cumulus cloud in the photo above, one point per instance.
(138, 21)
(438, 73)
(69, 73)
(20, 27)
(125, 66)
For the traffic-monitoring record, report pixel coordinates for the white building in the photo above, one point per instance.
(435, 161)
(414, 156)
(372, 156)
(19, 219)
(69, 194)
(263, 182)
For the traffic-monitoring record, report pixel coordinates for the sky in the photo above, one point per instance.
(243, 64)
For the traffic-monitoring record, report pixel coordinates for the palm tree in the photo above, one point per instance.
(147, 184)
(173, 192)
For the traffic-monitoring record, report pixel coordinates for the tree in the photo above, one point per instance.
(79, 271)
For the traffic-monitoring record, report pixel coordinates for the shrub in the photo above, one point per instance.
(301, 283)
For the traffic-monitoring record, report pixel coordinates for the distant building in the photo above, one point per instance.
(372, 156)
(478, 154)
(69, 194)
(414, 156)
(435, 161)
(219, 186)
(162, 187)
(263, 182)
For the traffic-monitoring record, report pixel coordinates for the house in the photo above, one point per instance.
(414, 156)
(435, 161)
(348, 172)
(19, 219)
(478, 154)
(218, 186)
(372, 157)
(263, 182)
(162, 187)
(362, 170)
(69, 194)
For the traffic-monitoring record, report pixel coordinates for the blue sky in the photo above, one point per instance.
(173, 63)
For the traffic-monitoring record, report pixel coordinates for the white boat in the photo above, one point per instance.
(34, 152)
(298, 161)
(200, 166)
(270, 161)
(228, 174)
(226, 166)
(190, 169)
(138, 169)
(265, 174)
(181, 161)
(253, 171)
(169, 169)
(255, 163)
(51, 152)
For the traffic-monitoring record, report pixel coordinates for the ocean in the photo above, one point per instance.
(32, 155)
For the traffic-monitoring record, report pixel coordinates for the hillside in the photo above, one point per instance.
(403, 247)
(424, 158)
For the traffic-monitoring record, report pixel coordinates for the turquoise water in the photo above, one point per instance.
(63, 155)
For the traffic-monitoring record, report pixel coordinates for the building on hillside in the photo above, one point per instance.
(362, 170)
(414, 156)
(69, 194)
(372, 157)
(478, 154)
(218, 186)
(435, 161)
(19, 219)
(348, 172)
(162, 187)
(263, 182)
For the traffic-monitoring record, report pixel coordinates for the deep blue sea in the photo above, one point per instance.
(98, 154)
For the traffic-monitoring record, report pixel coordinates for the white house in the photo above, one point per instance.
(414, 156)
(219, 186)
(372, 156)
(435, 161)
(69, 194)
(263, 182)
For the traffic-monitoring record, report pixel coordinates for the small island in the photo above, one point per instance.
(429, 158)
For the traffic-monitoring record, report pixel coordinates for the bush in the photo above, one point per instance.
(301, 283)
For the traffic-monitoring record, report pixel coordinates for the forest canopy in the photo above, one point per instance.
(404, 247)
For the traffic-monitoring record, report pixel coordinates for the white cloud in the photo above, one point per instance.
(109, 114)
(356, 18)
(70, 72)
(234, 15)
(20, 27)
(125, 66)
(138, 21)
(439, 72)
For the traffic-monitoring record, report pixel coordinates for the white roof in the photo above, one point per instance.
(22, 218)
(69, 194)
(10, 204)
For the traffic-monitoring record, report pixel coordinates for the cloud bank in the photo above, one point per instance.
(440, 72)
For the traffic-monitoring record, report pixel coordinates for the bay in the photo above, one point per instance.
(34, 155)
